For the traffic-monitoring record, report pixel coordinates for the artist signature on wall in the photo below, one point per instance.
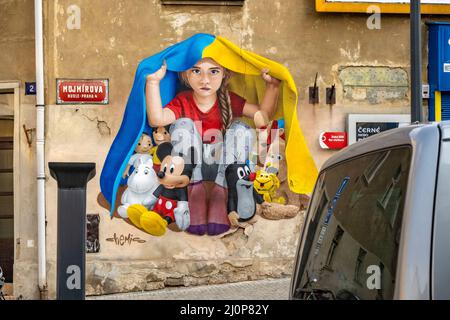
(122, 239)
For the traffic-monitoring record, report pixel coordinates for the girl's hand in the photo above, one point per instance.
(157, 76)
(269, 79)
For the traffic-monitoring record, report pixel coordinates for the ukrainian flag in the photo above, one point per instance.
(246, 81)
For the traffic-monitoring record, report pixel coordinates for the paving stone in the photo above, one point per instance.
(269, 289)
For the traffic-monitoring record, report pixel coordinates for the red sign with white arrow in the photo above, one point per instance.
(333, 140)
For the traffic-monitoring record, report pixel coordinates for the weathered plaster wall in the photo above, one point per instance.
(115, 42)
(17, 63)
(370, 69)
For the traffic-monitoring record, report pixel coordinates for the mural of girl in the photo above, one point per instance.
(212, 108)
(198, 116)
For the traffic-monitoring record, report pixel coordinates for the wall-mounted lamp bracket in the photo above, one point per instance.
(28, 134)
(314, 93)
(331, 95)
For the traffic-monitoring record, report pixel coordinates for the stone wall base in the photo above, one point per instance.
(108, 277)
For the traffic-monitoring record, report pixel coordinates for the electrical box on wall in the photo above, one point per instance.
(425, 91)
(439, 70)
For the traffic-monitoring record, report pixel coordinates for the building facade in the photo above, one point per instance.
(362, 58)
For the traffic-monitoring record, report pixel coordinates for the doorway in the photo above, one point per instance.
(6, 197)
(9, 182)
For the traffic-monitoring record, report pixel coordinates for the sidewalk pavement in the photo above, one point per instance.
(269, 289)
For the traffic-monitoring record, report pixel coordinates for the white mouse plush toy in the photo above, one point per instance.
(141, 184)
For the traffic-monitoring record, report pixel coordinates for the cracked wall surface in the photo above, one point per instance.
(102, 126)
(370, 69)
(375, 85)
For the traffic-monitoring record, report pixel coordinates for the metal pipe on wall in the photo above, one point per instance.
(416, 62)
(40, 123)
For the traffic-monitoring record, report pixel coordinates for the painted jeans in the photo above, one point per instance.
(211, 159)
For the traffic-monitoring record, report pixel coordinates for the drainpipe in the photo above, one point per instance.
(40, 115)
(416, 62)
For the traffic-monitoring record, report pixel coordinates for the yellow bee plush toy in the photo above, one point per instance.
(267, 184)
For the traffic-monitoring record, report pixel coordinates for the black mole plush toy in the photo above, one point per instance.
(170, 200)
(242, 197)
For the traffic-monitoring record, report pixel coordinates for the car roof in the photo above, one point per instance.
(386, 139)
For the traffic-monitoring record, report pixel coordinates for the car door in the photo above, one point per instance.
(441, 236)
(352, 233)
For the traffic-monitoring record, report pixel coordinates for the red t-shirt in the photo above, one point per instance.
(184, 106)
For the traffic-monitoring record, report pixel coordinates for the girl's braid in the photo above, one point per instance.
(223, 96)
(225, 103)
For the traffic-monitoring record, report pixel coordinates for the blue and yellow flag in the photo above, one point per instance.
(246, 81)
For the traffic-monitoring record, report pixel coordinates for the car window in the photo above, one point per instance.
(352, 238)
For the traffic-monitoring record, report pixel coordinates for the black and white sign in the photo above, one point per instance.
(367, 129)
(361, 126)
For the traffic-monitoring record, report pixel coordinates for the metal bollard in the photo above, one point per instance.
(72, 179)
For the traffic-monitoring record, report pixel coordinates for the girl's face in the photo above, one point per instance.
(205, 77)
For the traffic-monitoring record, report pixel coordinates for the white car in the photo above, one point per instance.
(378, 223)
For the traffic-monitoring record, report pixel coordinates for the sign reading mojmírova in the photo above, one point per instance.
(71, 91)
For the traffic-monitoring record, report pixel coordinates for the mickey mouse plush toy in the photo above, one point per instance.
(169, 200)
